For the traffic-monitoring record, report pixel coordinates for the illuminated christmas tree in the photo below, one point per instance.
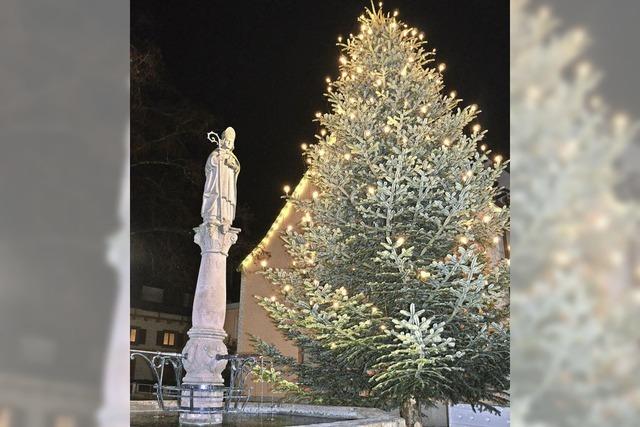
(394, 292)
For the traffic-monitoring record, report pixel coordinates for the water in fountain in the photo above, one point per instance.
(232, 420)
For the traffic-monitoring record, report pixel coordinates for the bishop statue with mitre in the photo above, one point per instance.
(220, 192)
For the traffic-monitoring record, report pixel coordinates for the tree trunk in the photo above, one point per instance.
(410, 411)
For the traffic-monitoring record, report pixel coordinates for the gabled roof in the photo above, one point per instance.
(276, 227)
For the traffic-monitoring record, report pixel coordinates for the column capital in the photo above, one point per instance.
(215, 238)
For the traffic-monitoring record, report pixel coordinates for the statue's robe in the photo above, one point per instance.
(220, 191)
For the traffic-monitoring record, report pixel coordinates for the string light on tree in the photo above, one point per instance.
(423, 275)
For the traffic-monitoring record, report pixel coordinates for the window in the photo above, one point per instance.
(169, 338)
(137, 335)
(152, 294)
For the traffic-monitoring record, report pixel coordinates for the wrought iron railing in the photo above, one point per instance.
(235, 396)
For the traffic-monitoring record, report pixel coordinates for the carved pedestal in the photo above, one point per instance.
(207, 332)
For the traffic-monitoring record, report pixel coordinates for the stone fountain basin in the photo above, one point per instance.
(336, 416)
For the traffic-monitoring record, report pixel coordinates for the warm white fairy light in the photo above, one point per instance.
(374, 310)
(476, 128)
(371, 190)
(359, 69)
(347, 156)
(339, 39)
(486, 218)
(315, 195)
(620, 122)
(318, 114)
(273, 298)
(304, 146)
(453, 94)
(335, 304)
(287, 288)
(289, 227)
(446, 142)
(483, 147)
(423, 109)
(263, 263)
(399, 241)
(323, 132)
(496, 240)
(442, 66)
(386, 129)
(286, 189)
(367, 133)
(473, 108)
(423, 275)
(421, 36)
(343, 60)
(464, 240)
(497, 159)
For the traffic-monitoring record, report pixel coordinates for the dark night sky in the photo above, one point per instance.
(259, 66)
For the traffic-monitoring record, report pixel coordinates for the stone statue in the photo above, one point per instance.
(220, 193)
(215, 236)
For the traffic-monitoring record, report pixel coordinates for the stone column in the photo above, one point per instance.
(207, 332)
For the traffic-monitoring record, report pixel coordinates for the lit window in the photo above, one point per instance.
(133, 334)
(169, 339)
